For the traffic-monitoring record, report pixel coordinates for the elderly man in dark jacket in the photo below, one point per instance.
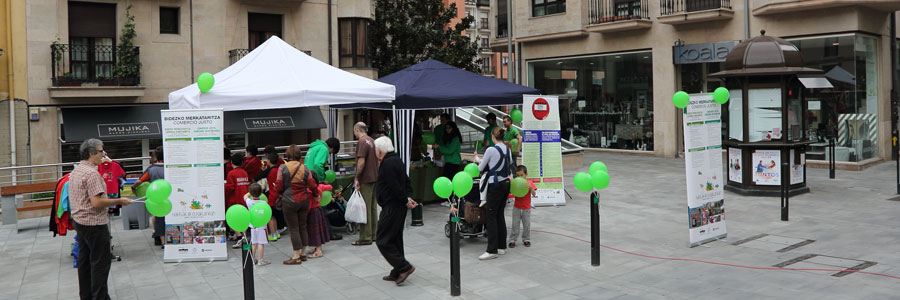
(392, 190)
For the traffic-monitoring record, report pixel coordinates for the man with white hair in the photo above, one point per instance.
(366, 174)
(392, 189)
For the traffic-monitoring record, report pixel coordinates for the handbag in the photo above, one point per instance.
(356, 209)
(474, 214)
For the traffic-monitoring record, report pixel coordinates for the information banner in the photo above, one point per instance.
(542, 150)
(193, 143)
(703, 167)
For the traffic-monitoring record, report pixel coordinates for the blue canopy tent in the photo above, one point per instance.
(435, 85)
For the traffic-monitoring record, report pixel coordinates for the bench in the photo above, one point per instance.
(11, 196)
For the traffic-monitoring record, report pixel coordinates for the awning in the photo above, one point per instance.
(110, 123)
(273, 119)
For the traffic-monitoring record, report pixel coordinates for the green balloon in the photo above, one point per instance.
(720, 95)
(597, 166)
(472, 169)
(600, 179)
(260, 213)
(329, 175)
(583, 182)
(516, 115)
(518, 187)
(681, 99)
(428, 138)
(443, 187)
(159, 190)
(205, 82)
(159, 208)
(514, 145)
(141, 190)
(238, 218)
(326, 198)
(462, 184)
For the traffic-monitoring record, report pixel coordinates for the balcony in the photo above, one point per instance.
(618, 15)
(79, 71)
(768, 7)
(674, 12)
(235, 55)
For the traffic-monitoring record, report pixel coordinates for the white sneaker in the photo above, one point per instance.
(487, 256)
(263, 263)
(501, 251)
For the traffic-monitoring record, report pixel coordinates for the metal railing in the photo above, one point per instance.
(474, 118)
(605, 11)
(671, 7)
(72, 65)
(235, 55)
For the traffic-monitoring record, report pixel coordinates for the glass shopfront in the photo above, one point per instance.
(849, 112)
(606, 101)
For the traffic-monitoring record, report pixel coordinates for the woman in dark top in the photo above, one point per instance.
(392, 190)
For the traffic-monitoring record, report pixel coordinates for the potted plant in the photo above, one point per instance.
(106, 81)
(68, 80)
(128, 66)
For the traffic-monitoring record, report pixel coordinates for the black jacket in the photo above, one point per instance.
(393, 185)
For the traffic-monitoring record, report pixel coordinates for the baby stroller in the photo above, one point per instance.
(334, 211)
(465, 227)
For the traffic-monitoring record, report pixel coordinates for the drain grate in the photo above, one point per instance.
(816, 261)
(773, 242)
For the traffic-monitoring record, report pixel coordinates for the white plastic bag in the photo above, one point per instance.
(356, 209)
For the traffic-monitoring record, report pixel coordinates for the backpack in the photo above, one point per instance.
(498, 171)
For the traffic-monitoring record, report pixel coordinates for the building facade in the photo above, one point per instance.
(616, 63)
(13, 87)
(84, 79)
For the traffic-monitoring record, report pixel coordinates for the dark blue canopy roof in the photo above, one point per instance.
(432, 85)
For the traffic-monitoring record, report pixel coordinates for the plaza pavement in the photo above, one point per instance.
(850, 221)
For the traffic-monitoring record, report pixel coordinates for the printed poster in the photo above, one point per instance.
(735, 173)
(797, 169)
(192, 143)
(703, 169)
(542, 150)
(766, 167)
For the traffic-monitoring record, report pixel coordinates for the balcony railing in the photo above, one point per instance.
(671, 7)
(235, 55)
(73, 65)
(604, 11)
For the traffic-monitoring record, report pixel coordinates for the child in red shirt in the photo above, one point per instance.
(522, 211)
(236, 185)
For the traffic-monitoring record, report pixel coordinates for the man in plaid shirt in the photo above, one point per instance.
(87, 197)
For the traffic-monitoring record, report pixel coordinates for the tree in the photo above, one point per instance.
(406, 32)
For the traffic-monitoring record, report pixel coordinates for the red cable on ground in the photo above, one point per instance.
(707, 262)
(717, 263)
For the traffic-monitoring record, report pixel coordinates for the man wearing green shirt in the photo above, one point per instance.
(492, 123)
(511, 134)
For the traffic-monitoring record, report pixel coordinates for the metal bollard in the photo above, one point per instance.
(595, 229)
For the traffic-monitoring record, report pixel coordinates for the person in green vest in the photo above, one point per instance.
(492, 123)
(511, 134)
(449, 147)
(318, 153)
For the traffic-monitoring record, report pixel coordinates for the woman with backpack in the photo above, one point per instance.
(298, 189)
(495, 166)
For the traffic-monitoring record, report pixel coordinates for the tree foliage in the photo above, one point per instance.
(406, 32)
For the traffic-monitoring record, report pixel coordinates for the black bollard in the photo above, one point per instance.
(785, 188)
(454, 254)
(595, 229)
(247, 262)
(417, 219)
(833, 149)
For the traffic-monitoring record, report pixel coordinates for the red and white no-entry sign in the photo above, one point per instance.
(540, 108)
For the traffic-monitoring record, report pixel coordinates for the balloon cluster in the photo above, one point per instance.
(239, 217)
(157, 194)
(681, 99)
(598, 177)
(461, 184)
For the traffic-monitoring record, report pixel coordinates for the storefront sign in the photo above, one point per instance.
(195, 229)
(269, 123)
(702, 53)
(127, 129)
(542, 149)
(703, 169)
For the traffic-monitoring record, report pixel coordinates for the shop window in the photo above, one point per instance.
(169, 20)
(764, 117)
(736, 114)
(547, 7)
(605, 101)
(354, 50)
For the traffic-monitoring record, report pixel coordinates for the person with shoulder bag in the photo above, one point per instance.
(496, 169)
(298, 189)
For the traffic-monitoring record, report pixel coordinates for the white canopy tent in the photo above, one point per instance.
(277, 75)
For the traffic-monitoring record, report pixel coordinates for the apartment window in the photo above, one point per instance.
(354, 48)
(92, 31)
(168, 20)
(547, 7)
(502, 14)
(485, 64)
(262, 27)
(485, 42)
